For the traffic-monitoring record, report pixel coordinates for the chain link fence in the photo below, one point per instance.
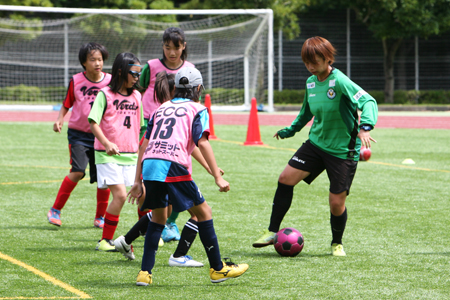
(366, 55)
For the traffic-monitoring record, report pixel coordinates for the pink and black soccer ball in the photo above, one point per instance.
(288, 242)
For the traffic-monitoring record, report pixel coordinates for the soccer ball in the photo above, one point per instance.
(365, 153)
(288, 242)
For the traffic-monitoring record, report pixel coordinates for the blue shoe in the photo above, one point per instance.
(167, 234)
(54, 216)
(99, 222)
(174, 228)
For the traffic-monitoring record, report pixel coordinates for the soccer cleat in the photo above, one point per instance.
(174, 228)
(54, 216)
(167, 235)
(99, 222)
(229, 270)
(183, 261)
(144, 278)
(337, 250)
(161, 242)
(106, 245)
(266, 239)
(124, 248)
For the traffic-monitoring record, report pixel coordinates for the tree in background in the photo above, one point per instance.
(285, 13)
(107, 4)
(44, 3)
(93, 25)
(393, 21)
(33, 25)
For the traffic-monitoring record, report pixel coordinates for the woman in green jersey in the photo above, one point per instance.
(335, 138)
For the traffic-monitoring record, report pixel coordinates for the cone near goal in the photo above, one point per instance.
(212, 135)
(253, 134)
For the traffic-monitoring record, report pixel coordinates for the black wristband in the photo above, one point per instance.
(366, 127)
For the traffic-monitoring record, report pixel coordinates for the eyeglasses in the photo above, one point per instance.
(135, 74)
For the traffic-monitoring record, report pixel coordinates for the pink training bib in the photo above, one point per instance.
(85, 92)
(150, 104)
(121, 121)
(171, 137)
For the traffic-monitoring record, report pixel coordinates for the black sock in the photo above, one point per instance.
(281, 204)
(139, 228)
(338, 226)
(151, 246)
(188, 235)
(209, 240)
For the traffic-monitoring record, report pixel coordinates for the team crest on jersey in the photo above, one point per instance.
(311, 85)
(331, 93)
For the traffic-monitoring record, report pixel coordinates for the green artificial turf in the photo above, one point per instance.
(396, 237)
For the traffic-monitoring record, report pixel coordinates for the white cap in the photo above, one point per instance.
(192, 74)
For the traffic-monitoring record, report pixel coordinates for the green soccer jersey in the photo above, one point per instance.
(144, 79)
(334, 104)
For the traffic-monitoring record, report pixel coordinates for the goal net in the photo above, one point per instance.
(39, 47)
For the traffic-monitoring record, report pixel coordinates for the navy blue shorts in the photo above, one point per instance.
(183, 195)
(311, 159)
(80, 156)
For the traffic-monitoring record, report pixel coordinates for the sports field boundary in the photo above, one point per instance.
(422, 120)
(53, 280)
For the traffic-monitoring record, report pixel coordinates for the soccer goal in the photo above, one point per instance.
(232, 48)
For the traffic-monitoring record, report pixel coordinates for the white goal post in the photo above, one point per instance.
(233, 48)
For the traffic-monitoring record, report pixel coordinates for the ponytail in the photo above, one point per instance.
(193, 93)
(164, 87)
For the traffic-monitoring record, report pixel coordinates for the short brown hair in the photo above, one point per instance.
(88, 48)
(318, 46)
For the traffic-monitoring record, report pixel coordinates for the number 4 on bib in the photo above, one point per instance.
(127, 122)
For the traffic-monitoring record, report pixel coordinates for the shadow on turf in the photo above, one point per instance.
(274, 254)
(130, 283)
(51, 227)
(430, 253)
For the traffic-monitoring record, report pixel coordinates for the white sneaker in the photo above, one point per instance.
(124, 248)
(183, 261)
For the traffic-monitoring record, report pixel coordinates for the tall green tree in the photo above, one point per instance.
(44, 3)
(285, 12)
(393, 21)
(122, 4)
(28, 23)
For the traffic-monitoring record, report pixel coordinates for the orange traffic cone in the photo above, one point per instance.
(211, 121)
(253, 135)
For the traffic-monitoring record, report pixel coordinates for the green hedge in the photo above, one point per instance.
(23, 93)
(288, 96)
(222, 93)
(400, 97)
(434, 97)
